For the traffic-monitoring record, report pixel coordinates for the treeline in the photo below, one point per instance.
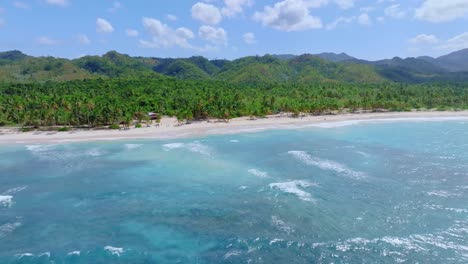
(98, 102)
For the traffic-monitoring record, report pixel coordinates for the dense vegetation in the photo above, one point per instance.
(97, 102)
(116, 88)
(326, 67)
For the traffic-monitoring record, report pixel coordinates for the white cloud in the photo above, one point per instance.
(62, 3)
(214, 35)
(46, 41)
(345, 4)
(115, 6)
(442, 10)
(394, 11)
(290, 15)
(21, 5)
(132, 32)
(83, 39)
(340, 20)
(456, 43)
(234, 7)
(367, 9)
(364, 19)
(424, 39)
(206, 13)
(103, 26)
(164, 36)
(249, 38)
(171, 17)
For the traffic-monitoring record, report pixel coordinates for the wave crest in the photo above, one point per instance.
(258, 173)
(6, 200)
(195, 147)
(329, 165)
(294, 187)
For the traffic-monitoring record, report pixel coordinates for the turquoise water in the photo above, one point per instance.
(367, 193)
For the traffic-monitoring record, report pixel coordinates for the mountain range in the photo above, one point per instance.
(16, 66)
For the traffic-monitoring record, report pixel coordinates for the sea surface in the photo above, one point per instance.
(393, 192)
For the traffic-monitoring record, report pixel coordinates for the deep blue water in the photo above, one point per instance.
(367, 193)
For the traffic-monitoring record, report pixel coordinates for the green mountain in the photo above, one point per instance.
(455, 62)
(114, 64)
(18, 67)
(252, 70)
(330, 56)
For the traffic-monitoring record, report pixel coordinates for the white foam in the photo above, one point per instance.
(444, 194)
(387, 120)
(195, 147)
(114, 250)
(74, 253)
(95, 152)
(132, 146)
(276, 240)
(20, 256)
(293, 187)
(281, 225)
(15, 190)
(39, 148)
(47, 254)
(258, 173)
(336, 124)
(325, 164)
(365, 155)
(6, 200)
(232, 253)
(173, 146)
(8, 228)
(234, 141)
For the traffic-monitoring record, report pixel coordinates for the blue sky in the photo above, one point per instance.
(368, 29)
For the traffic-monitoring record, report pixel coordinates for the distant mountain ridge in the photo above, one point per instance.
(252, 70)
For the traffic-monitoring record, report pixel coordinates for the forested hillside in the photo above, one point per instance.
(116, 88)
(254, 70)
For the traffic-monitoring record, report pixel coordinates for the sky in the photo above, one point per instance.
(366, 29)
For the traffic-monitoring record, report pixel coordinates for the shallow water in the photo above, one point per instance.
(366, 193)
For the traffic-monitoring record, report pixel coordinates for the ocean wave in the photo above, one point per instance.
(6, 200)
(114, 250)
(281, 225)
(14, 190)
(133, 146)
(293, 187)
(258, 173)
(8, 228)
(74, 253)
(195, 147)
(62, 153)
(39, 148)
(336, 124)
(234, 141)
(451, 239)
(275, 240)
(94, 152)
(364, 154)
(22, 255)
(231, 254)
(30, 255)
(441, 193)
(329, 165)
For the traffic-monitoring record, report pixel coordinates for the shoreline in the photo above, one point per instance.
(169, 128)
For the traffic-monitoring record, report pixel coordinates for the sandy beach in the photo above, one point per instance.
(170, 128)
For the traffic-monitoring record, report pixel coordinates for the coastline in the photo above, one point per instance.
(170, 129)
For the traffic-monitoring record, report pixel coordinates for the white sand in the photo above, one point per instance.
(169, 127)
